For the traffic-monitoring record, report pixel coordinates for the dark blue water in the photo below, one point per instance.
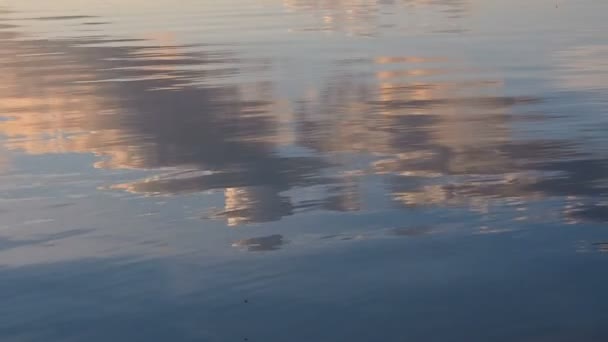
(303, 170)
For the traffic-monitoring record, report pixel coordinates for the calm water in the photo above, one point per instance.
(303, 170)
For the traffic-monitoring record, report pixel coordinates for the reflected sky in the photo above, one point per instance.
(371, 17)
(436, 129)
(288, 150)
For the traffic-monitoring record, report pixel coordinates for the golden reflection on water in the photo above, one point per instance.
(417, 127)
(134, 109)
(64, 97)
(437, 135)
(68, 101)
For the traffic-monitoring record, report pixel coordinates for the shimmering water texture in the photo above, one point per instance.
(303, 170)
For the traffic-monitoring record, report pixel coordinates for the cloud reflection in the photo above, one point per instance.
(145, 107)
(436, 131)
(444, 142)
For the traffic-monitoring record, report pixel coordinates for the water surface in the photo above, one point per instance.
(303, 170)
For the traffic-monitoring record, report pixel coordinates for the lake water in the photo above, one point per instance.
(303, 170)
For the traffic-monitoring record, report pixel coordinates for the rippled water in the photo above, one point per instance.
(303, 170)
